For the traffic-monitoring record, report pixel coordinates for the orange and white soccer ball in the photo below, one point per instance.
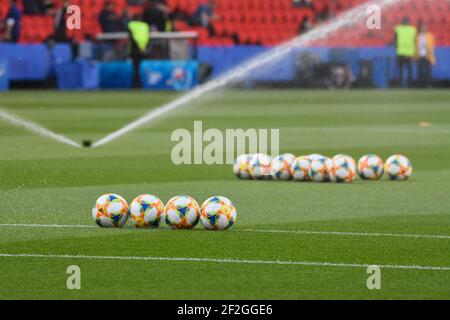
(241, 167)
(146, 211)
(398, 167)
(218, 213)
(182, 212)
(300, 168)
(110, 211)
(345, 155)
(319, 169)
(370, 167)
(281, 166)
(260, 166)
(343, 169)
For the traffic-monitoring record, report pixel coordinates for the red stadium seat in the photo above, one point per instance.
(261, 21)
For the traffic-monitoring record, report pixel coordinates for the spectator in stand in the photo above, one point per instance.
(406, 45)
(31, 7)
(109, 22)
(60, 22)
(139, 32)
(156, 15)
(11, 24)
(425, 55)
(205, 15)
(124, 19)
(38, 7)
(305, 26)
(303, 3)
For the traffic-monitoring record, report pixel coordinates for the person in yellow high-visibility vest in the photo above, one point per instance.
(405, 43)
(139, 33)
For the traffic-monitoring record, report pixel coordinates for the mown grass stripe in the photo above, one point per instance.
(301, 232)
(232, 261)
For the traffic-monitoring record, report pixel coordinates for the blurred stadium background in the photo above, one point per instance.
(192, 41)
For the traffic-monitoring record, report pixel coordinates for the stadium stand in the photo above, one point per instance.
(265, 22)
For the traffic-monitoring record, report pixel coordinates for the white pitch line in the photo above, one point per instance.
(36, 128)
(229, 261)
(30, 225)
(305, 232)
(355, 234)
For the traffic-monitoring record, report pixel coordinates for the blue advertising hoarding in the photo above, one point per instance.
(4, 75)
(116, 75)
(169, 75)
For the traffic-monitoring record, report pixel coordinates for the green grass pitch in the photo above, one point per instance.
(45, 182)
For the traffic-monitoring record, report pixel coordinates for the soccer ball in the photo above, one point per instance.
(398, 167)
(218, 213)
(281, 166)
(110, 211)
(315, 156)
(347, 156)
(241, 167)
(370, 167)
(319, 169)
(260, 165)
(300, 168)
(146, 211)
(182, 212)
(343, 169)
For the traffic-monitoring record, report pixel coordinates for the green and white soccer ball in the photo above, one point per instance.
(110, 211)
(281, 166)
(300, 168)
(182, 212)
(218, 213)
(370, 167)
(319, 169)
(241, 167)
(146, 211)
(398, 167)
(260, 166)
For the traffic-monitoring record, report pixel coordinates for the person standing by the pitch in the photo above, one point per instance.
(405, 43)
(426, 56)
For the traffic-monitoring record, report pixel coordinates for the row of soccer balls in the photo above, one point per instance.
(148, 211)
(318, 168)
